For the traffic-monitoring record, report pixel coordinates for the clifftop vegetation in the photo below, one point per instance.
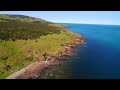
(13, 27)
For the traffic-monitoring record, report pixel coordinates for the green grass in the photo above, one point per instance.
(20, 17)
(4, 16)
(24, 39)
(16, 27)
(20, 53)
(55, 25)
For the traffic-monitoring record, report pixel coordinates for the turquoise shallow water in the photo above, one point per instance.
(98, 58)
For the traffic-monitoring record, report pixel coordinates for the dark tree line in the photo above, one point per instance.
(16, 29)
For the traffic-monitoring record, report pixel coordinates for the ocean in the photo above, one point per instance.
(98, 58)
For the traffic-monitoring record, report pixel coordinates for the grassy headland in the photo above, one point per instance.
(25, 39)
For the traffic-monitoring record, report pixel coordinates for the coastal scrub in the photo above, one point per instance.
(19, 49)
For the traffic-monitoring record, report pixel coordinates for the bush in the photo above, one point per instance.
(15, 29)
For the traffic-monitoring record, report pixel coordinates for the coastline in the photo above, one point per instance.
(34, 46)
(35, 69)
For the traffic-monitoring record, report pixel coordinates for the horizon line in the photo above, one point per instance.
(63, 22)
(85, 23)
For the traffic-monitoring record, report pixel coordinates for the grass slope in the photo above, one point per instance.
(18, 53)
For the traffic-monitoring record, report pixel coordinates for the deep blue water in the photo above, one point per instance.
(98, 58)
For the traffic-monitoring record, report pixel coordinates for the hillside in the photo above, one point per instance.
(14, 27)
(25, 39)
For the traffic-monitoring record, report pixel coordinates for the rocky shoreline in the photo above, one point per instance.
(35, 70)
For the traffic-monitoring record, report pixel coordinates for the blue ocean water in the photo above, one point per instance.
(98, 58)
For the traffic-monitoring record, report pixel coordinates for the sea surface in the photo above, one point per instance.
(98, 58)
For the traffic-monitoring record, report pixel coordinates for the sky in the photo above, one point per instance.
(85, 17)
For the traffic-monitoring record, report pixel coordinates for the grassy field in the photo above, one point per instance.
(24, 40)
(18, 54)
